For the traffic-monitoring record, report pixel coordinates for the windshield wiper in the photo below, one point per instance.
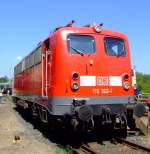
(77, 50)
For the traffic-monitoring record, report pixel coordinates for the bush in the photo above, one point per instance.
(143, 82)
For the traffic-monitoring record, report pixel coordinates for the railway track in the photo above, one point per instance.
(133, 145)
(85, 149)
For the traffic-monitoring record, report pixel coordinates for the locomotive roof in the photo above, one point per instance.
(89, 30)
(78, 30)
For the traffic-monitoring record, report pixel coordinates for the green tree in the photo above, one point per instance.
(4, 79)
(143, 82)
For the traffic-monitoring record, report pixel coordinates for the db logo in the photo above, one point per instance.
(102, 81)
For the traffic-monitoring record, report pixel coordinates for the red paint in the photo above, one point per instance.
(61, 65)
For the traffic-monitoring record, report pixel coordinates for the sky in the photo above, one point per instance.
(24, 23)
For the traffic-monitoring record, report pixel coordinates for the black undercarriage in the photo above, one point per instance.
(82, 119)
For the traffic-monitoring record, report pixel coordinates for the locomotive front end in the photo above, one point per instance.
(95, 82)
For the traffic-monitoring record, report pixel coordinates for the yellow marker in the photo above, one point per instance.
(14, 141)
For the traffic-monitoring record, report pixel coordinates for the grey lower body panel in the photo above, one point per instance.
(63, 105)
(60, 105)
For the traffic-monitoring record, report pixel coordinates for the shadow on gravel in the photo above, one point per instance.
(4, 99)
(61, 137)
(1, 97)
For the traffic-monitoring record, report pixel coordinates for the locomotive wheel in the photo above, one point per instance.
(130, 119)
(131, 123)
(121, 133)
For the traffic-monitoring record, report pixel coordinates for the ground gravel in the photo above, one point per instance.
(12, 124)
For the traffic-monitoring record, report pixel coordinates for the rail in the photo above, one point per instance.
(133, 145)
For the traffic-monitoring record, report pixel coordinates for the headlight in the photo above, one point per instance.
(126, 85)
(98, 27)
(75, 86)
(75, 76)
(126, 77)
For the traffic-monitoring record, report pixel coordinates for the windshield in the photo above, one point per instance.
(114, 46)
(81, 44)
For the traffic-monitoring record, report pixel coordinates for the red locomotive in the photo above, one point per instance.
(79, 76)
